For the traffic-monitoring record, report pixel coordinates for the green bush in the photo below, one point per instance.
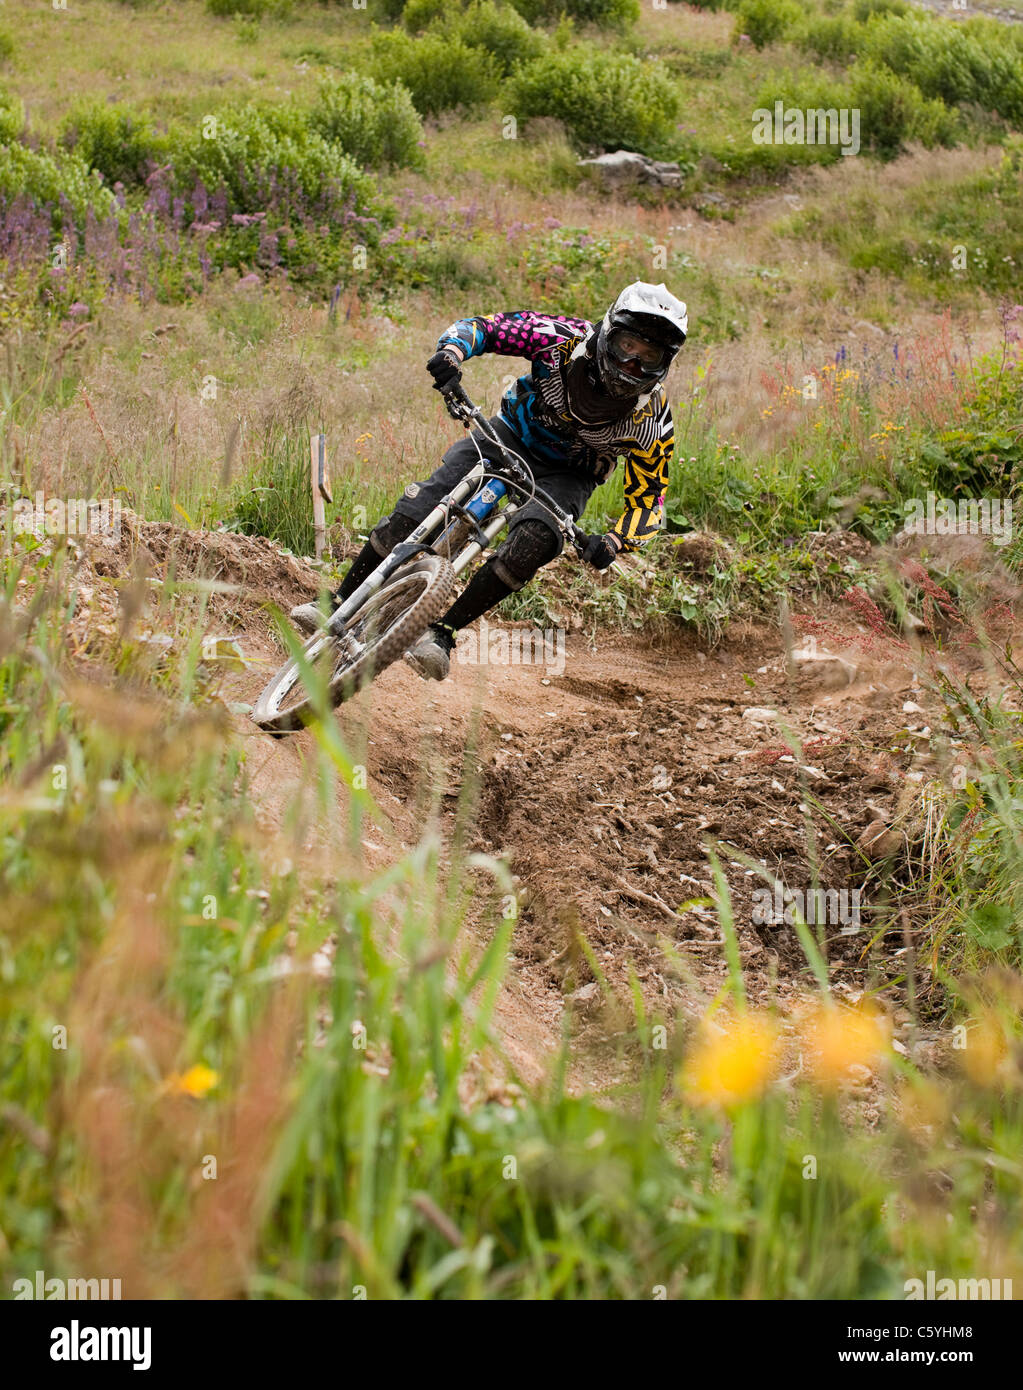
(376, 123)
(835, 37)
(52, 178)
(6, 46)
(866, 9)
(441, 73)
(420, 14)
(119, 142)
(980, 62)
(603, 14)
(893, 112)
(12, 116)
(257, 9)
(499, 29)
(803, 91)
(608, 100)
(264, 154)
(285, 198)
(766, 21)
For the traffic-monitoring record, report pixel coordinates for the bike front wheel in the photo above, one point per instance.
(390, 620)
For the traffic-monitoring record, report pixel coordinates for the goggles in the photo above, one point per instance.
(630, 347)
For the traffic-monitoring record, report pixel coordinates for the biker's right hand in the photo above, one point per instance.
(445, 369)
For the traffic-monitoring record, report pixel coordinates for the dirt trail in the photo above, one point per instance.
(601, 786)
(601, 778)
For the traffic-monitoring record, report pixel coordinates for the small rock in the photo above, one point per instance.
(584, 994)
(878, 841)
(759, 714)
(625, 166)
(830, 670)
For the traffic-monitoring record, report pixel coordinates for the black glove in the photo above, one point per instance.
(599, 551)
(444, 369)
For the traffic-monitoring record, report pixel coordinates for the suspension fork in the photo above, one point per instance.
(490, 530)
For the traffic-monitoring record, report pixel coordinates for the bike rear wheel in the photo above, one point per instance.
(390, 620)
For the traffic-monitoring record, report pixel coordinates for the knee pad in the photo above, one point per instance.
(387, 533)
(527, 547)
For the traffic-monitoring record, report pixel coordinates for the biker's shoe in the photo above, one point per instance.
(310, 617)
(430, 655)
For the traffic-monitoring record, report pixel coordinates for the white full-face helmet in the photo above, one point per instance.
(638, 339)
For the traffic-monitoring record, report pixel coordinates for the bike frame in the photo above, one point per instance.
(460, 407)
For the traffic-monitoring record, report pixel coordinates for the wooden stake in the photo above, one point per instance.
(321, 488)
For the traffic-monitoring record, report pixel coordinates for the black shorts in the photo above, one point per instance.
(568, 487)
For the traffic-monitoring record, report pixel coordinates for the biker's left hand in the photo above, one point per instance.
(600, 551)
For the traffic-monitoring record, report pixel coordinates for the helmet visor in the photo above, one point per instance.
(627, 347)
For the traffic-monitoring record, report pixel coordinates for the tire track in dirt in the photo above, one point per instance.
(601, 787)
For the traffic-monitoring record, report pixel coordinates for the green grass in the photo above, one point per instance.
(350, 1153)
(369, 1130)
(948, 237)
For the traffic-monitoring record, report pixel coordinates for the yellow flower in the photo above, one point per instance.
(196, 1082)
(985, 1052)
(837, 1039)
(731, 1067)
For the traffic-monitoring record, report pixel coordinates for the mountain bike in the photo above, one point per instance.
(413, 586)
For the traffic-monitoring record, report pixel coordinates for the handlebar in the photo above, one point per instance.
(458, 404)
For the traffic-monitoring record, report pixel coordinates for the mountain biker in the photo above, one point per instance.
(594, 397)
